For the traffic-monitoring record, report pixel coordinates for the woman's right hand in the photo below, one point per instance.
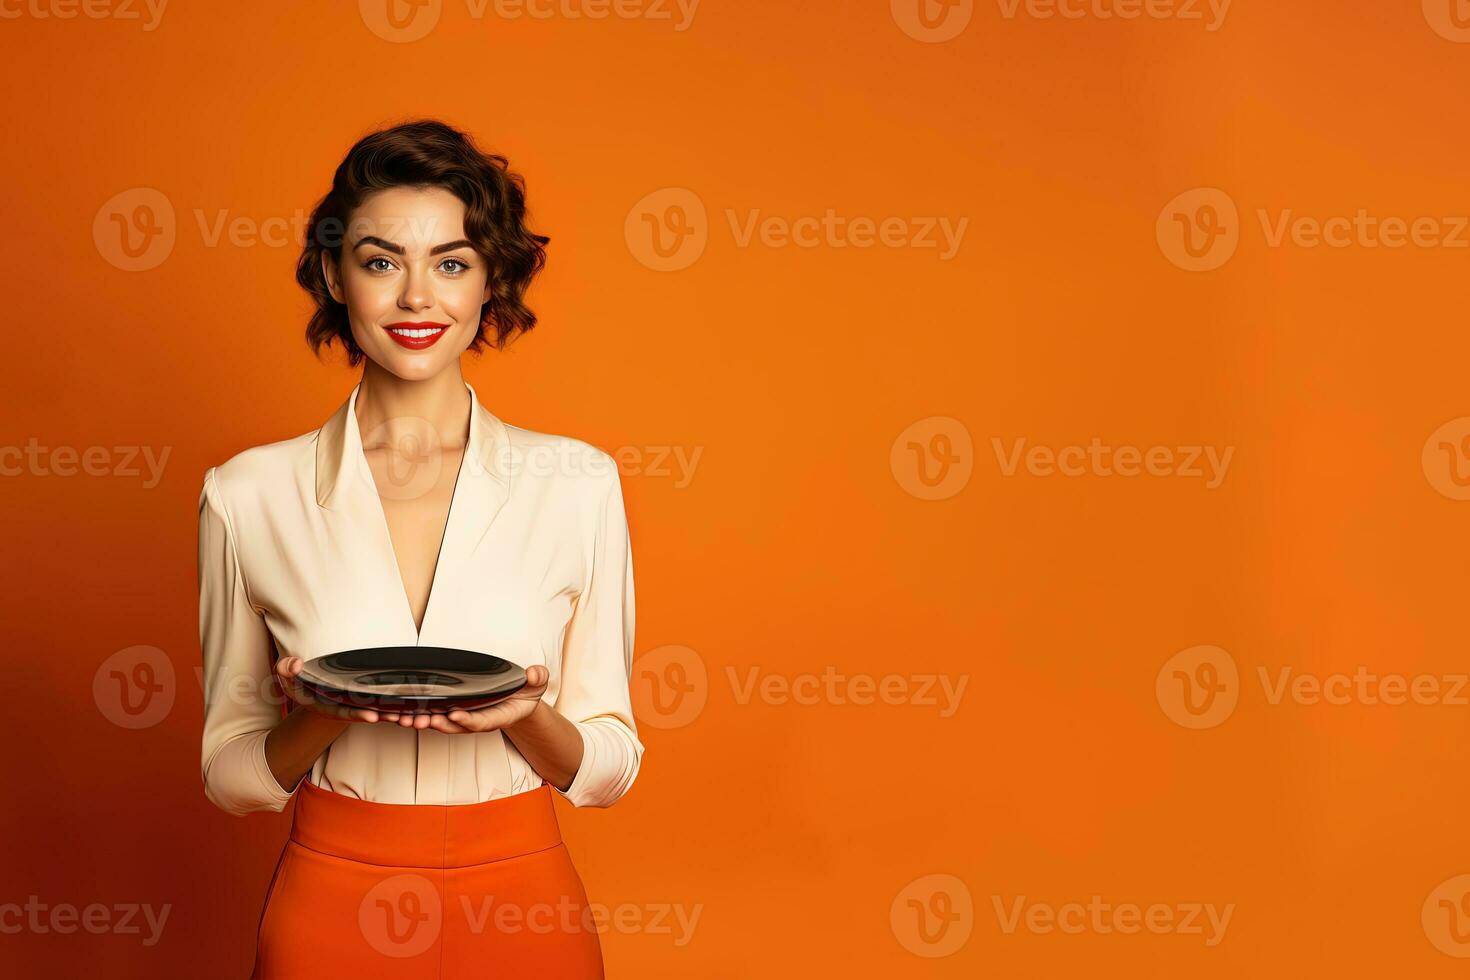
(286, 670)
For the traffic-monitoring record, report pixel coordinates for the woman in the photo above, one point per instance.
(421, 845)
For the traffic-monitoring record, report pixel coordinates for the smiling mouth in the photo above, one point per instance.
(416, 330)
(416, 336)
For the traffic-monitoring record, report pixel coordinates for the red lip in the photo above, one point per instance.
(417, 343)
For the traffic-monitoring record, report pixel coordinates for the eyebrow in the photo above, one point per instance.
(399, 250)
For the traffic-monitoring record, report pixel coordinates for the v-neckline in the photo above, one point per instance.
(417, 629)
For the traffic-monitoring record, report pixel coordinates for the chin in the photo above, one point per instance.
(411, 368)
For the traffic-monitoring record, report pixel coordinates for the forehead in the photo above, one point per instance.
(417, 217)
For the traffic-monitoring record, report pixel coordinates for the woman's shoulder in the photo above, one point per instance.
(560, 462)
(254, 469)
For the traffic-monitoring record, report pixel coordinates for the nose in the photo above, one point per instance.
(417, 291)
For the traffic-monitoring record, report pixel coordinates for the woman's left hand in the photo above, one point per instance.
(500, 715)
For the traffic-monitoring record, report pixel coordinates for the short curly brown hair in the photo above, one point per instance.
(428, 153)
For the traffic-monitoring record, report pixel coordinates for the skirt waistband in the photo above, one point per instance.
(412, 835)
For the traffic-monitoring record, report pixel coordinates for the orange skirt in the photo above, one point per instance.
(413, 891)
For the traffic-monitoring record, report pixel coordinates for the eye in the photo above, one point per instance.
(454, 266)
(371, 265)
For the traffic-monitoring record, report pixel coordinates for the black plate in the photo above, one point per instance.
(418, 680)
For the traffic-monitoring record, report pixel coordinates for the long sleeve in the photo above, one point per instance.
(597, 661)
(236, 648)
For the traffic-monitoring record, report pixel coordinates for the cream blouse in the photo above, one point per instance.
(295, 558)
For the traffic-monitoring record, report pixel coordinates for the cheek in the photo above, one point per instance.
(463, 298)
(365, 295)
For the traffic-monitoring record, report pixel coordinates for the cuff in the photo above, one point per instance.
(239, 780)
(270, 789)
(610, 760)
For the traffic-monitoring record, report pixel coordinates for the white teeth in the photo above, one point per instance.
(416, 331)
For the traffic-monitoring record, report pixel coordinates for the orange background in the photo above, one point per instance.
(795, 828)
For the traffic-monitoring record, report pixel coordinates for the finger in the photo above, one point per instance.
(470, 722)
(443, 724)
(421, 721)
(368, 714)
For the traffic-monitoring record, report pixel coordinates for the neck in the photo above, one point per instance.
(393, 412)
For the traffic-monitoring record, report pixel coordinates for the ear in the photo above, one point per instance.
(330, 274)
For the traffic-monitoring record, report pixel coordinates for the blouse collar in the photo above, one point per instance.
(339, 453)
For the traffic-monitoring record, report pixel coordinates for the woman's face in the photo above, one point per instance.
(412, 284)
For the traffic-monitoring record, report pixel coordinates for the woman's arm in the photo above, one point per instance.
(295, 744)
(586, 745)
(313, 724)
(593, 704)
(550, 743)
(239, 709)
(249, 752)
